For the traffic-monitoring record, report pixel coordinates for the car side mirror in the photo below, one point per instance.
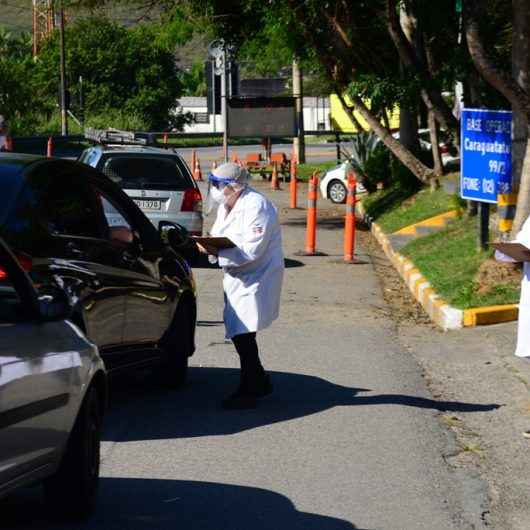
(55, 306)
(174, 234)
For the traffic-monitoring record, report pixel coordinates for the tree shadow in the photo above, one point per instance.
(194, 411)
(149, 504)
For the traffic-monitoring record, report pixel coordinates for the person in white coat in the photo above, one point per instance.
(253, 273)
(522, 348)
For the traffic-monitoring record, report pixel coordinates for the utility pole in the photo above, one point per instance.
(43, 22)
(224, 112)
(298, 93)
(64, 114)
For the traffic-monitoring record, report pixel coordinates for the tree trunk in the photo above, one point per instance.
(408, 114)
(520, 72)
(435, 145)
(418, 168)
(432, 98)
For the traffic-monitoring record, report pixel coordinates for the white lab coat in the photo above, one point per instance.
(253, 270)
(523, 324)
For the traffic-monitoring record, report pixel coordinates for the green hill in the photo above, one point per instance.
(16, 15)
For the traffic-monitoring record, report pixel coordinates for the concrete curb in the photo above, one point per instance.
(441, 313)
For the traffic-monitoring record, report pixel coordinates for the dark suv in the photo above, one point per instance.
(133, 294)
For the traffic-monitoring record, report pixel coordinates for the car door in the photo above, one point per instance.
(37, 365)
(150, 298)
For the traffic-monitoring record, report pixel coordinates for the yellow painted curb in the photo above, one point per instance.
(441, 313)
(490, 315)
(436, 221)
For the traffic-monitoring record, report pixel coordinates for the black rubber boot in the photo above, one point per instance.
(240, 400)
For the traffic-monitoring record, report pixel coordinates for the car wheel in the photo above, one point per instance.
(71, 492)
(337, 192)
(178, 345)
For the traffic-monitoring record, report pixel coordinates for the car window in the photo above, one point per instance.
(62, 201)
(147, 172)
(119, 225)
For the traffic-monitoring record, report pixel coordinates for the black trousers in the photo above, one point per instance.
(252, 372)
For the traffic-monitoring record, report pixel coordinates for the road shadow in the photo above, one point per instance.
(142, 410)
(148, 504)
(293, 263)
(334, 223)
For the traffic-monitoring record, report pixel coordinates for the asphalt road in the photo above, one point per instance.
(350, 438)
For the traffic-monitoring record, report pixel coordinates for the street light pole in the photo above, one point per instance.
(64, 115)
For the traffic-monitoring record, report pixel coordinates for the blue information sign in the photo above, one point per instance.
(486, 160)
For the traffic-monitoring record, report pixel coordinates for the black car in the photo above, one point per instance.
(132, 292)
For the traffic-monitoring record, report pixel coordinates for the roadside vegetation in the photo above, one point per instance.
(462, 275)
(450, 261)
(397, 207)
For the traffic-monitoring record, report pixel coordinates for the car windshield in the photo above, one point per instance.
(147, 172)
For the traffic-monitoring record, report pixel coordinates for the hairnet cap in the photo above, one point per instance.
(231, 173)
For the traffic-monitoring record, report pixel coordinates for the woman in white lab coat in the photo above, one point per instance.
(523, 325)
(253, 273)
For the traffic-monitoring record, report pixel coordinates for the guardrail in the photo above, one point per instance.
(71, 145)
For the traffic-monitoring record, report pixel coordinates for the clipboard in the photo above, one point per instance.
(216, 242)
(517, 251)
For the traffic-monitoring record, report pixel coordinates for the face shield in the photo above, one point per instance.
(224, 182)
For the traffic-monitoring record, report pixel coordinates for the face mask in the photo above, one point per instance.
(217, 195)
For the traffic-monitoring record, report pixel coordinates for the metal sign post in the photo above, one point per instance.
(486, 163)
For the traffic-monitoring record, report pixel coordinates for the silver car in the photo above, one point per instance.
(158, 180)
(52, 394)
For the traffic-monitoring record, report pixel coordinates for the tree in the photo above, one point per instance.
(17, 86)
(122, 68)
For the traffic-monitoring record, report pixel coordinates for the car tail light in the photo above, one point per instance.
(192, 201)
(25, 262)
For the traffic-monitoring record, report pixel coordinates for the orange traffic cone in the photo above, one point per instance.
(275, 185)
(197, 174)
(193, 160)
(49, 147)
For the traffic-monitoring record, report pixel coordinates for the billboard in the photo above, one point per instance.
(262, 117)
(486, 160)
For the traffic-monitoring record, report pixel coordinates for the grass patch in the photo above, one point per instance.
(396, 207)
(449, 260)
(306, 170)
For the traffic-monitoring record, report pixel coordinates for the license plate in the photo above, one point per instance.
(146, 204)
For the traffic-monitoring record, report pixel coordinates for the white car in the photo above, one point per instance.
(52, 395)
(333, 184)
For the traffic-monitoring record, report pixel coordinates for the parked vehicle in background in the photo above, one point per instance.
(333, 185)
(134, 293)
(52, 393)
(158, 180)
